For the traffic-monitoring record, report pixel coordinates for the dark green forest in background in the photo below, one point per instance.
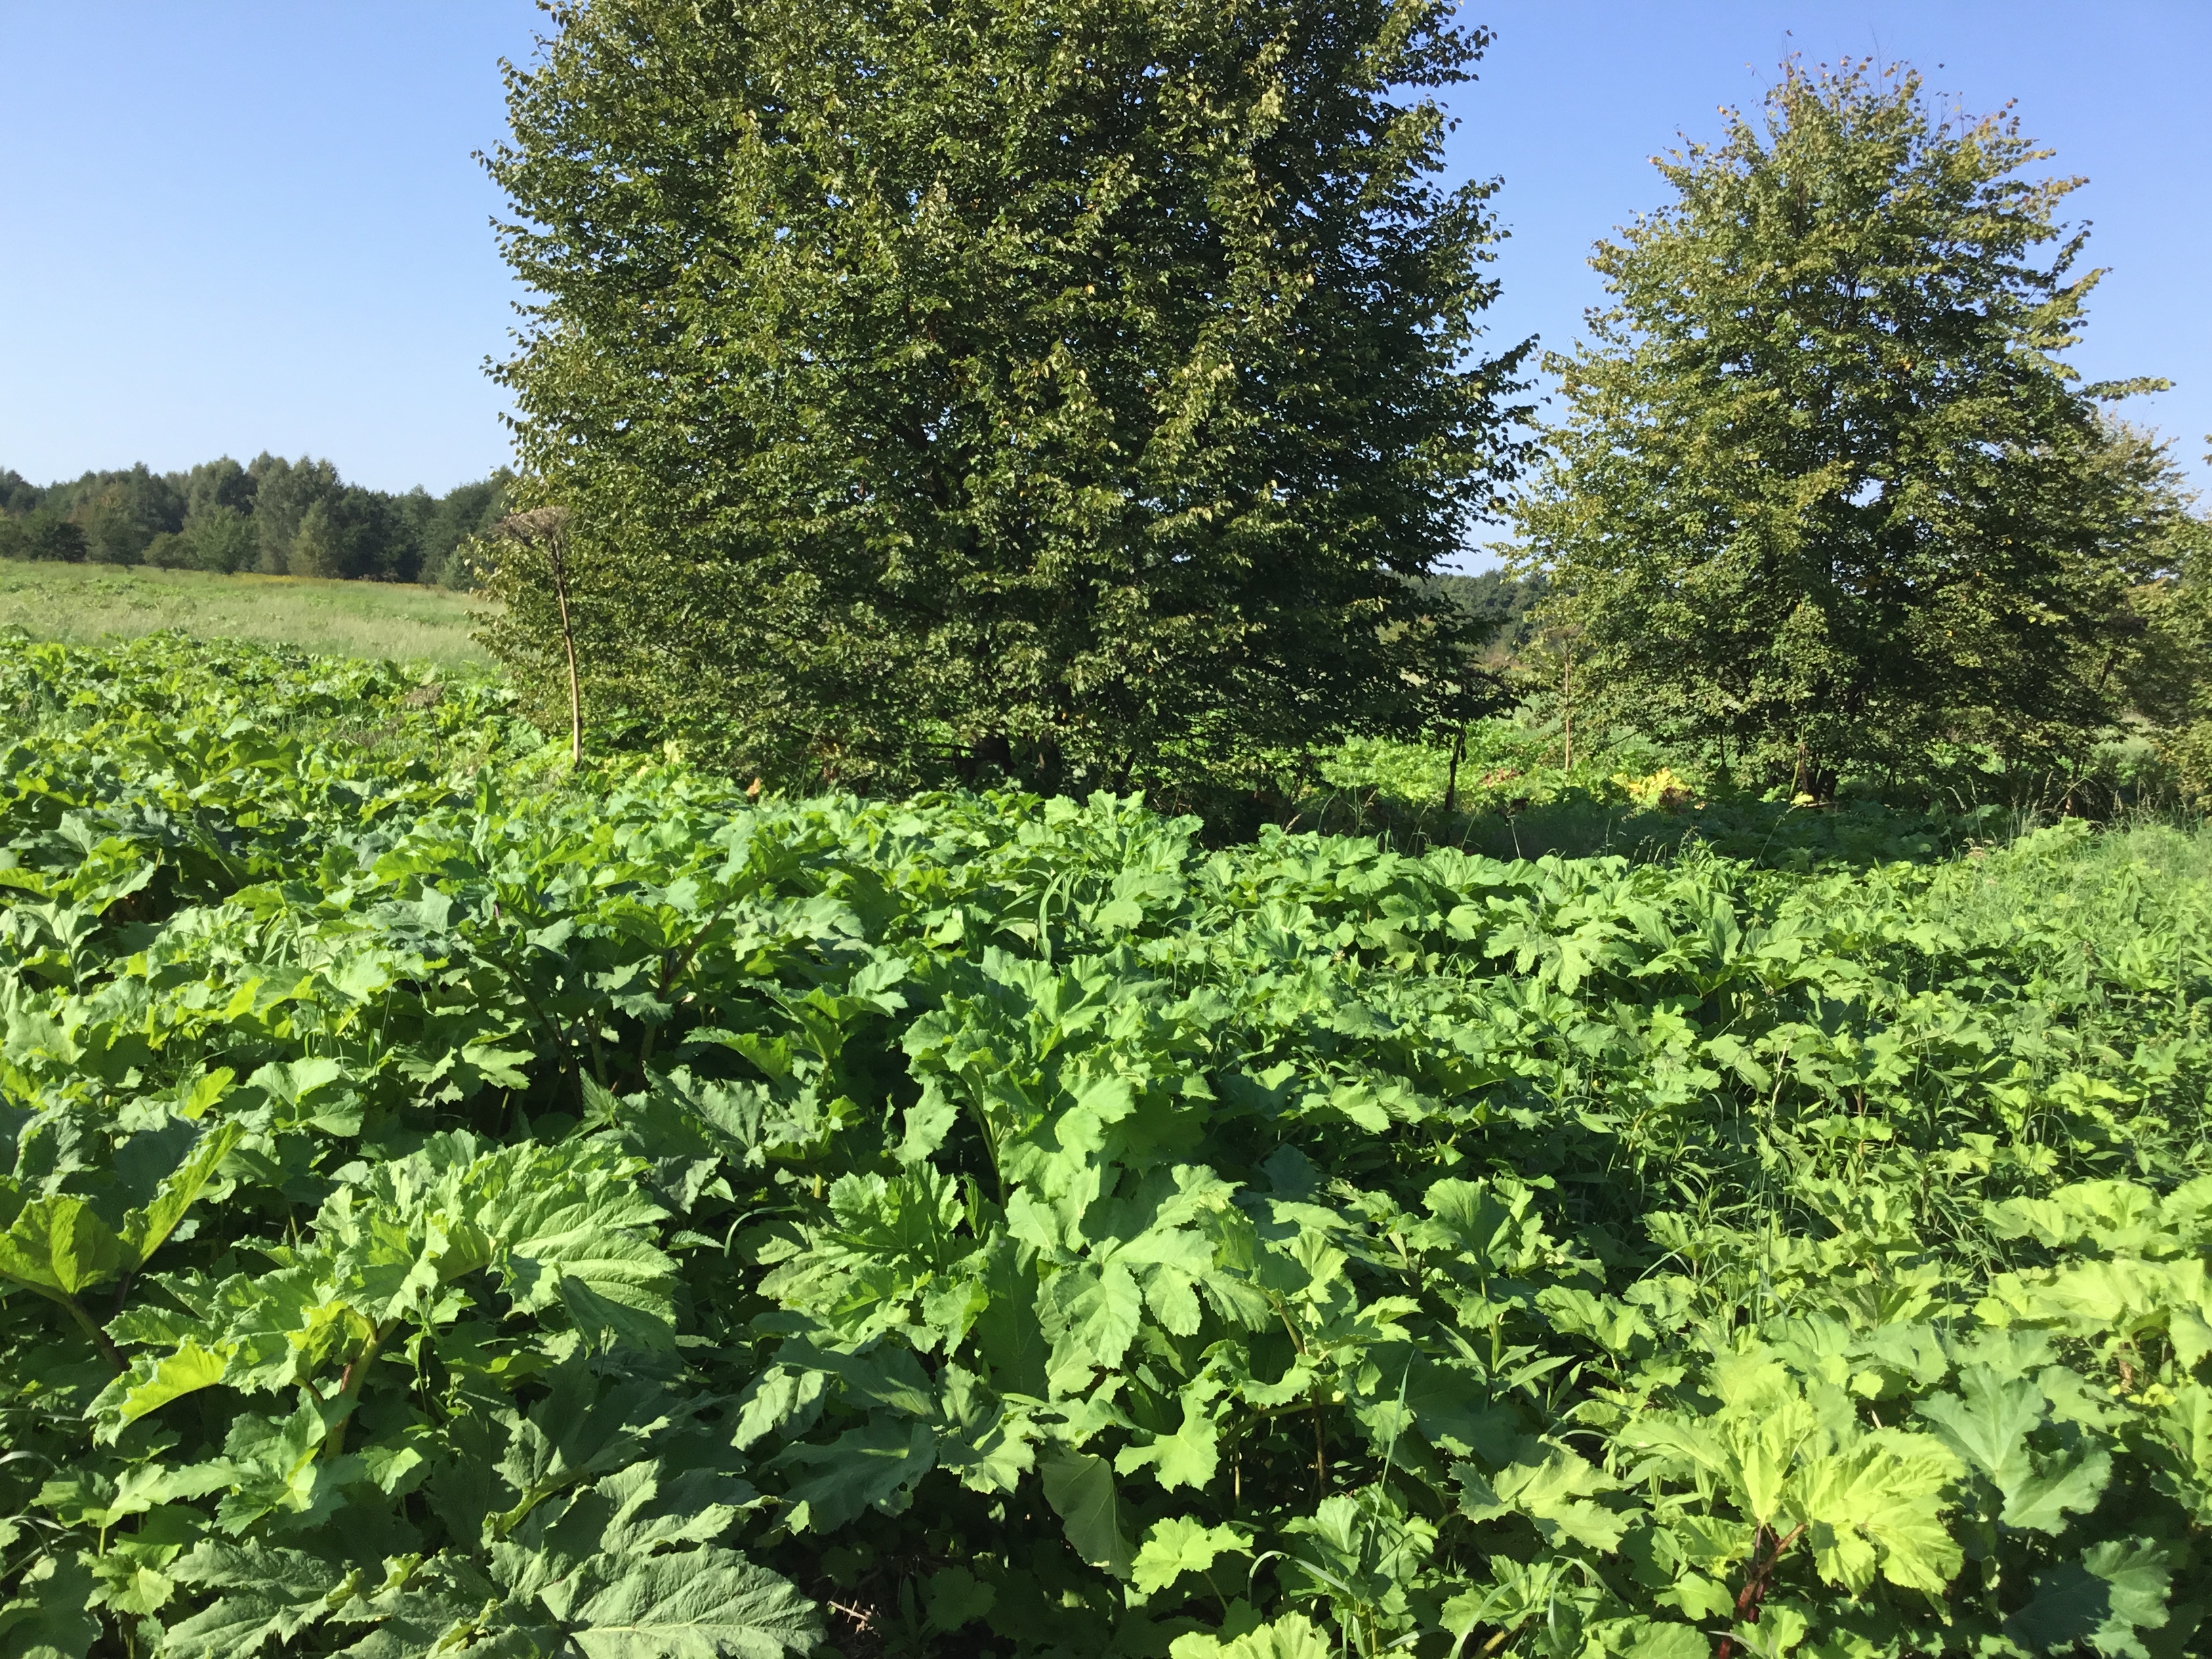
(270, 515)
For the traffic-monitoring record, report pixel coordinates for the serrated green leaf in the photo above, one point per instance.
(697, 1506)
(780, 1401)
(1651, 1639)
(1449, 1411)
(2060, 1486)
(701, 1604)
(144, 1231)
(1292, 1636)
(2118, 1587)
(1879, 1499)
(58, 1246)
(1988, 1424)
(1188, 1456)
(1555, 1494)
(422, 1603)
(1179, 1545)
(606, 1323)
(1091, 1315)
(927, 1121)
(1008, 1335)
(2181, 1449)
(46, 1617)
(268, 1592)
(876, 1464)
(155, 1380)
(989, 1443)
(1080, 1487)
(583, 1428)
(888, 1375)
(953, 1597)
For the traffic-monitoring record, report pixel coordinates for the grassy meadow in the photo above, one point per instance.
(84, 603)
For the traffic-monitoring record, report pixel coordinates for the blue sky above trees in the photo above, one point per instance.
(244, 227)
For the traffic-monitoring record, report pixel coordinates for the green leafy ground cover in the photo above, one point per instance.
(1512, 799)
(450, 1208)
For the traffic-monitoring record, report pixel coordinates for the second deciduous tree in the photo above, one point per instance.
(1825, 499)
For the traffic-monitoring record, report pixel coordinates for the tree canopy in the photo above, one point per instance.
(1826, 498)
(1078, 389)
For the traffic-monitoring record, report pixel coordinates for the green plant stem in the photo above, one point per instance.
(356, 1374)
(101, 1340)
(1320, 1451)
(1504, 1635)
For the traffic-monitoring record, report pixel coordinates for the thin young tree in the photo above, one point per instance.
(529, 561)
(1825, 499)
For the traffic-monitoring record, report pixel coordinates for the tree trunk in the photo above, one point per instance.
(568, 649)
(546, 529)
(1567, 711)
(992, 753)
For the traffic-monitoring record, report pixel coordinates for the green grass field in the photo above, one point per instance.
(83, 604)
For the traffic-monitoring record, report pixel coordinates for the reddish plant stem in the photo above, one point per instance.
(1756, 1580)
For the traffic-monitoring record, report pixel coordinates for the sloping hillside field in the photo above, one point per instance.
(452, 1208)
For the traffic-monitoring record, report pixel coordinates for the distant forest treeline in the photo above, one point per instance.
(283, 518)
(1501, 598)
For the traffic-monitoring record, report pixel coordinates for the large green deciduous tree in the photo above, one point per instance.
(1069, 387)
(2167, 668)
(1824, 498)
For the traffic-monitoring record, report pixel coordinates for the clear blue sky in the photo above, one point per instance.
(238, 227)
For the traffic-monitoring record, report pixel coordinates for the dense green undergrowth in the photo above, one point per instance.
(454, 1208)
(1511, 796)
